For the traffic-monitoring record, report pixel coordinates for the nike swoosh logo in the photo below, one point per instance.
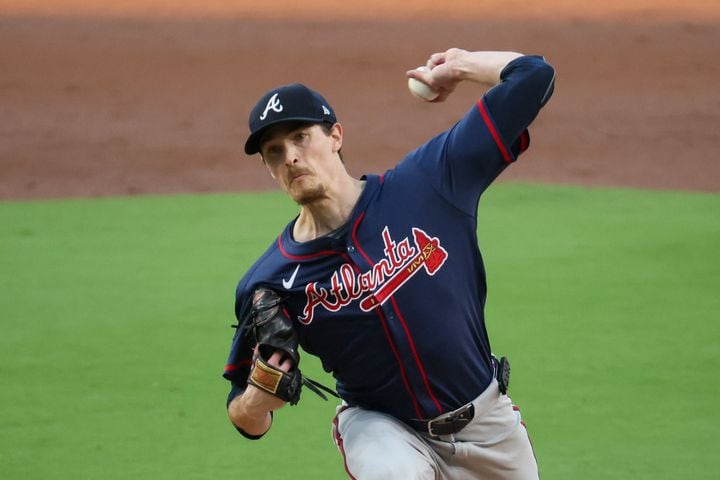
(289, 283)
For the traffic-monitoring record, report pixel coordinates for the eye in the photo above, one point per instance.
(302, 135)
(272, 151)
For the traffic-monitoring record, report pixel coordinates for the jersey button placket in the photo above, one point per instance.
(351, 257)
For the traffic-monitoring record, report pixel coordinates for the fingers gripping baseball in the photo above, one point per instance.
(440, 74)
(421, 89)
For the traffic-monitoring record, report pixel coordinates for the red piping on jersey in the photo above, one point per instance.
(524, 141)
(415, 355)
(379, 313)
(339, 442)
(386, 329)
(355, 240)
(493, 132)
(243, 363)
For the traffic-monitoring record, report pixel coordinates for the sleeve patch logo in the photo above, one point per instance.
(375, 286)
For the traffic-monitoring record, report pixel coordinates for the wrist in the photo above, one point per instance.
(486, 67)
(253, 403)
(249, 413)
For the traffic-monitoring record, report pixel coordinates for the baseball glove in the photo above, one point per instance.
(273, 331)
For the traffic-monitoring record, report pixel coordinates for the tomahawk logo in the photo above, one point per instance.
(401, 262)
(274, 105)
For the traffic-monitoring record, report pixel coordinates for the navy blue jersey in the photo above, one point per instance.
(393, 302)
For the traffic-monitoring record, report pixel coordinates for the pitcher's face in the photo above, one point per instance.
(303, 160)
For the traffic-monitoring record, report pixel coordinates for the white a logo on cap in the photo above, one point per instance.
(273, 104)
(326, 111)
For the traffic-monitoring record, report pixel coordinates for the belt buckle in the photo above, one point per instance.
(430, 426)
(453, 418)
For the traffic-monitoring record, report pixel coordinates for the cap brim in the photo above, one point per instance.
(252, 145)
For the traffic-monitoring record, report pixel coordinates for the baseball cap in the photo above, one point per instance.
(293, 102)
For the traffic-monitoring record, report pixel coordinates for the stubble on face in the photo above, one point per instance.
(306, 190)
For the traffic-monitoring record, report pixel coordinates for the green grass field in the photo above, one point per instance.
(116, 315)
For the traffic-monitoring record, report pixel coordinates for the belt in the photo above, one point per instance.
(452, 422)
(446, 424)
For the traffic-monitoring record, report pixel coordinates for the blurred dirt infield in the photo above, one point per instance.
(138, 97)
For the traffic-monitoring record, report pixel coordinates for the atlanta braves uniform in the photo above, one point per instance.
(392, 303)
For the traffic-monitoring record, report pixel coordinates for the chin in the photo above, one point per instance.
(304, 196)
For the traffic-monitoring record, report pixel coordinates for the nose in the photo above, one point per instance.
(291, 155)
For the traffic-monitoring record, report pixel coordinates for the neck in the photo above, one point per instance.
(328, 213)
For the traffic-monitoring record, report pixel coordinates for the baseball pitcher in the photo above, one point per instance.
(382, 279)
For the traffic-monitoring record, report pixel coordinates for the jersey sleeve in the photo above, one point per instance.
(239, 361)
(463, 161)
(237, 367)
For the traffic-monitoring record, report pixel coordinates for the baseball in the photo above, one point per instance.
(422, 90)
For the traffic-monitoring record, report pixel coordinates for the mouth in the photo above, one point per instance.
(297, 176)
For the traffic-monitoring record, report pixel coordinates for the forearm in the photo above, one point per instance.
(483, 67)
(250, 412)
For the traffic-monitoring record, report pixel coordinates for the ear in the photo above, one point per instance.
(336, 133)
